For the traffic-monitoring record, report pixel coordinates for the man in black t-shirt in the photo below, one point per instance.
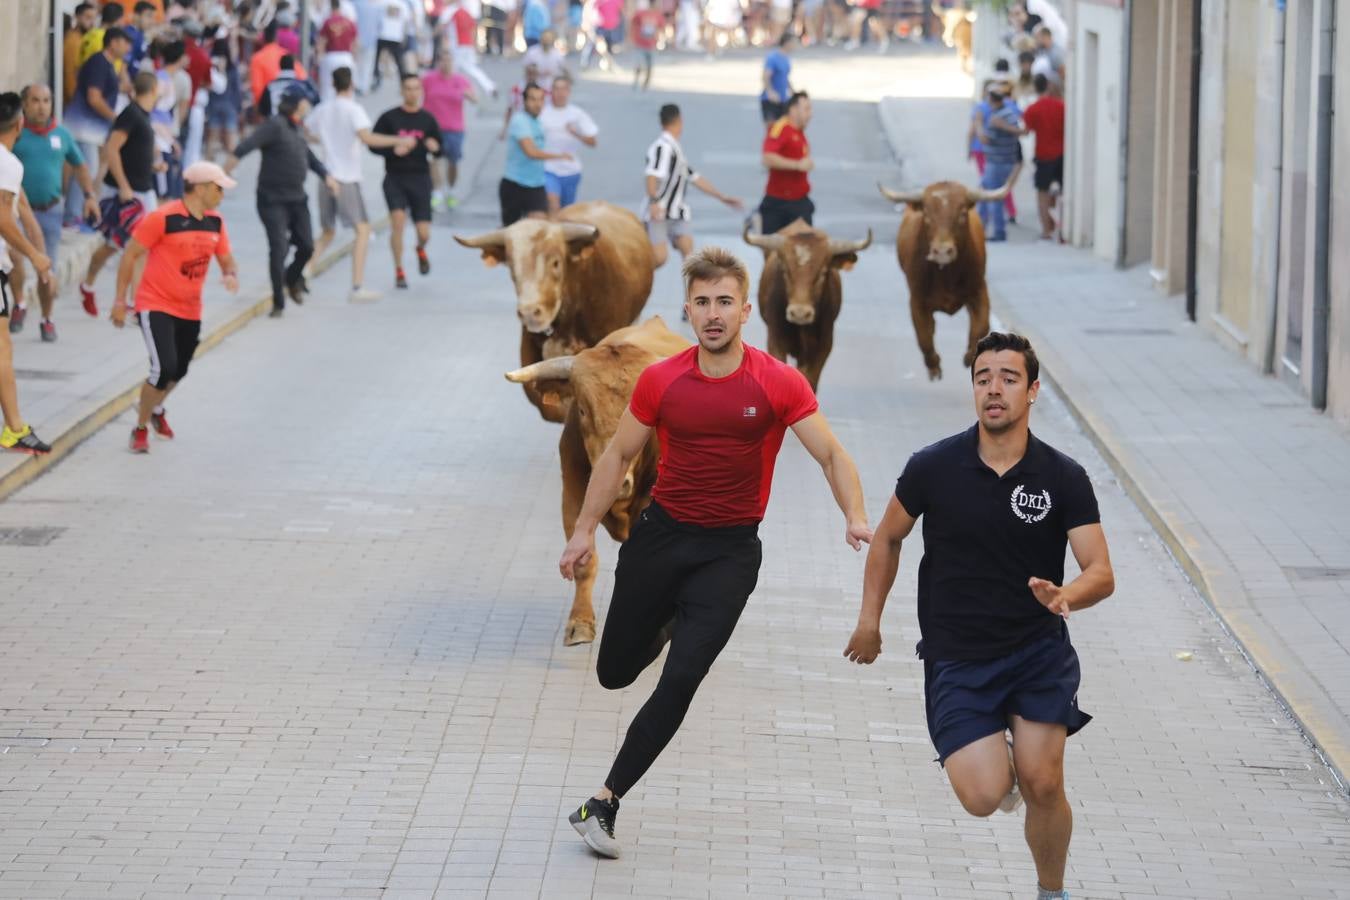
(998, 508)
(407, 173)
(129, 186)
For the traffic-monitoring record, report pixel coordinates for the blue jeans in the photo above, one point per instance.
(991, 213)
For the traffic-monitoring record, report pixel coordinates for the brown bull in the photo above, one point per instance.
(800, 293)
(576, 279)
(601, 380)
(941, 249)
(957, 32)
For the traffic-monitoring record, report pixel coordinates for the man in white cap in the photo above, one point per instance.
(177, 240)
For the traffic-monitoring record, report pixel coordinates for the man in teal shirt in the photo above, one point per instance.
(521, 191)
(45, 149)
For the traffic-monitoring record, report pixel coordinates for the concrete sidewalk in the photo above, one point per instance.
(69, 389)
(1248, 486)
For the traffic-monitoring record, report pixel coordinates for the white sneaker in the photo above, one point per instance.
(362, 295)
(1014, 797)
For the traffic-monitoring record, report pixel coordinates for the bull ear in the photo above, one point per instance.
(581, 252)
(493, 255)
(844, 261)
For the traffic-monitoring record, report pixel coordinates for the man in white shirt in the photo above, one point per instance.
(343, 128)
(548, 61)
(16, 435)
(567, 127)
(395, 25)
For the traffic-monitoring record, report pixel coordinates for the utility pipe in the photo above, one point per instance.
(1273, 322)
(1193, 177)
(1321, 294)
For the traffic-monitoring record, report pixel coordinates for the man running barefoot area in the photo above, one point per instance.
(998, 507)
(720, 410)
(178, 241)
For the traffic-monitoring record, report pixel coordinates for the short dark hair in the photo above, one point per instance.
(1006, 340)
(796, 98)
(82, 7)
(270, 32)
(1001, 66)
(1041, 83)
(413, 76)
(145, 6)
(1026, 56)
(342, 79)
(670, 114)
(787, 38)
(172, 52)
(531, 86)
(287, 61)
(112, 14)
(144, 83)
(11, 109)
(113, 34)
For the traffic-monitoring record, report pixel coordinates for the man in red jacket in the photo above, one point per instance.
(1045, 119)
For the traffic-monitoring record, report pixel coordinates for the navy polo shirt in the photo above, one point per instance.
(984, 536)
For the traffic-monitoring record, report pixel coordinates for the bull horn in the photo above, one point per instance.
(768, 242)
(982, 195)
(559, 368)
(837, 246)
(488, 239)
(900, 196)
(578, 232)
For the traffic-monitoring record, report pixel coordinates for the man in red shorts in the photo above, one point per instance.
(178, 240)
(720, 410)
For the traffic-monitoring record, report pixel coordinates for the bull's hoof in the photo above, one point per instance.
(579, 631)
(968, 360)
(935, 374)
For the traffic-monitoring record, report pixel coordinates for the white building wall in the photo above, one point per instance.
(1092, 156)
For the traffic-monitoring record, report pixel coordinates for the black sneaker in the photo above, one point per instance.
(25, 442)
(297, 292)
(594, 821)
(423, 261)
(400, 280)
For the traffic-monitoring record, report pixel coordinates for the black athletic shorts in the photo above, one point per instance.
(776, 213)
(1048, 172)
(171, 342)
(409, 191)
(518, 201)
(4, 295)
(970, 699)
(771, 112)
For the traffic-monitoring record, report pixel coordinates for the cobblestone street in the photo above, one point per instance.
(313, 646)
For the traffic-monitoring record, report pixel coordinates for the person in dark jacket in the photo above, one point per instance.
(282, 203)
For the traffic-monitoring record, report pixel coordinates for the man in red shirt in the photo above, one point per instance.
(1045, 119)
(336, 41)
(178, 240)
(266, 63)
(719, 410)
(787, 156)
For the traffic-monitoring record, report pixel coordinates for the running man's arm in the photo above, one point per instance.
(229, 271)
(1094, 583)
(385, 141)
(815, 434)
(603, 489)
(533, 152)
(766, 82)
(883, 561)
(706, 187)
(113, 150)
(125, 271)
(30, 224)
(775, 161)
(14, 236)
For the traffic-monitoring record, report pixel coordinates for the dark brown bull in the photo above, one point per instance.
(800, 293)
(941, 249)
(601, 380)
(576, 279)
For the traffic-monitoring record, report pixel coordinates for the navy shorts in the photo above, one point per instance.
(452, 145)
(969, 699)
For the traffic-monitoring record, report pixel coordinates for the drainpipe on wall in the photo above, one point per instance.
(1122, 186)
(1193, 177)
(55, 66)
(1321, 293)
(1273, 322)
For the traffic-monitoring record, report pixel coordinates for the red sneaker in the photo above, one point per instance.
(140, 439)
(87, 301)
(161, 425)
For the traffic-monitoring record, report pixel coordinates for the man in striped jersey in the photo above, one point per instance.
(666, 212)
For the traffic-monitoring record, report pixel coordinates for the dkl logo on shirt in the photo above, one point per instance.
(1030, 508)
(750, 412)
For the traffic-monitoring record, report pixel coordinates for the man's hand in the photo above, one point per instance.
(433, 146)
(858, 533)
(42, 265)
(864, 646)
(578, 552)
(405, 145)
(333, 186)
(805, 164)
(160, 166)
(119, 313)
(231, 282)
(91, 210)
(1051, 596)
(656, 211)
(125, 194)
(733, 202)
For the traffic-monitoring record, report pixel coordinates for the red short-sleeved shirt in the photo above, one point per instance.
(1045, 119)
(338, 33)
(719, 436)
(466, 28)
(787, 141)
(181, 247)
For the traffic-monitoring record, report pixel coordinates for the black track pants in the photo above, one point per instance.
(698, 577)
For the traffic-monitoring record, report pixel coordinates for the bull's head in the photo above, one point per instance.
(806, 256)
(538, 253)
(602, 380)
(945, 207)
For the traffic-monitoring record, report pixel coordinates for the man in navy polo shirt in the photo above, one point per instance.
(998, 508)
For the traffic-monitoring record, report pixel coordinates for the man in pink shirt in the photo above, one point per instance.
(445, 91)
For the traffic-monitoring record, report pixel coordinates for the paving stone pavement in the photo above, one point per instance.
(311, 648)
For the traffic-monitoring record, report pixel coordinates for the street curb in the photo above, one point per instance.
(1213, 583)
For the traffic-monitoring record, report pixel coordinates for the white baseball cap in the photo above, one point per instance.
(208, 173)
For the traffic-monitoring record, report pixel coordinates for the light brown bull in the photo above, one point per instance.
(957, 32)
(941, 250)
(800, 294)
(576, 279)
(601, 380)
